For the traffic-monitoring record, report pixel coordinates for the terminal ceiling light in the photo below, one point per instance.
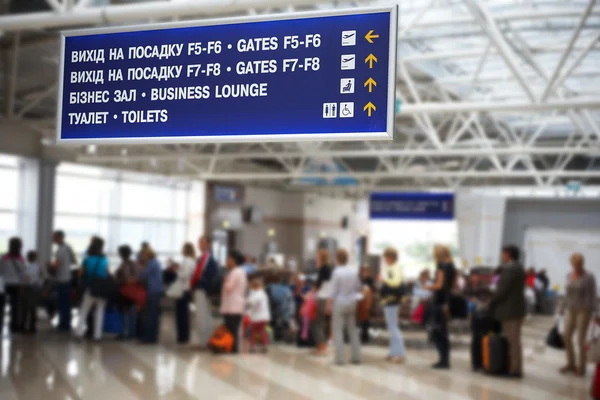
(322, 234)
(271, 232)
(91, 149)
(124, 152)
(226, 224)
(153, 162)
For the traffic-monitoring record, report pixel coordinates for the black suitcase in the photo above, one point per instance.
(495, 354)
(482, 323)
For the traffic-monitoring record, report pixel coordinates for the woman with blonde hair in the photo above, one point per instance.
(580, 305)
(392, 277)
(319, 325)
(442, 288)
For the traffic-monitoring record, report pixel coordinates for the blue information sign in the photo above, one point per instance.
(308, 76)
(401, 205)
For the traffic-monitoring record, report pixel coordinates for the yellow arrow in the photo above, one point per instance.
(369, 108)
(370, 82)
(370, 58)
(370, 36)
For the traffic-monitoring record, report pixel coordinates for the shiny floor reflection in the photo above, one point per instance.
(52, 367)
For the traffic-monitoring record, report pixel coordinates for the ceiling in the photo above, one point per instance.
(495, 92)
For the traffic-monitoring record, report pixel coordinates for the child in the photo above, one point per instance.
(308, 312)
(259, 313)
(30, 293)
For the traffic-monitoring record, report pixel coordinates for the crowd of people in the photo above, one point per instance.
(334, 307)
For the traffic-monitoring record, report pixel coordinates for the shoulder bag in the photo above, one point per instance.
(593, 346)
(103, 287)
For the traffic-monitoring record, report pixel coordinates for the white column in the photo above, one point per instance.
(37, 180)
(28, 202)
(45, 208)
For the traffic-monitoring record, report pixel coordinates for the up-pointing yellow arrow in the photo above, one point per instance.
(370, 36)
(370, 82)
(370, 107)
(370, 58)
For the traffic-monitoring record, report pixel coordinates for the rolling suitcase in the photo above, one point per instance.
(482, 324)
(495, 354)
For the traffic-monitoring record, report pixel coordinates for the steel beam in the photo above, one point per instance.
(367, 153)
(140, 11)
(11, 77)
(245, 177)
(567, 50)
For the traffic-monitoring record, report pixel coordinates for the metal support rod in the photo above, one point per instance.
(488, 24)
(140, 11)
(580, 57)
(366, 153)
(567, 51)
(515, 106)
(39, 98)
(400, 174)
(11, 77)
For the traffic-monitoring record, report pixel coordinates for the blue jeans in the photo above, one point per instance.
(397, 348)
(64, 306)
(129, 322)
(151, 319)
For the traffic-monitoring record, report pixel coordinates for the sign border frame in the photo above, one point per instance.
(302, 137)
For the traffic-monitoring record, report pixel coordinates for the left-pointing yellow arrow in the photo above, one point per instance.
(370, 82)
(370, 36)
(369, 108)
(370, 58)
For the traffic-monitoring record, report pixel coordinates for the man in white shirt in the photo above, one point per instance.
(29, 295)
(64, 258)
(345, 291)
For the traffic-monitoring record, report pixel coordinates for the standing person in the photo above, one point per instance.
(30, 293)
(259, 313)
(508, 306)
(64, 258)
(319, 325)
(143, 247)
(126, 274)
(346, 288)
(440, 315)
(365, 305)
(180, 290)
(12, 269)
(202, 283)
(151, 277)
(233, 296)
(250, 265)
(95, 265)
(391, 278)
(580, 304)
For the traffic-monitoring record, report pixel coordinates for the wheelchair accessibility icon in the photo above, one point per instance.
(346, 110)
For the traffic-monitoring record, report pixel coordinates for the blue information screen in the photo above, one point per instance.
(311, 77)
(402, 205)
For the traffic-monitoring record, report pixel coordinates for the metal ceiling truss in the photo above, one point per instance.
(491, 110)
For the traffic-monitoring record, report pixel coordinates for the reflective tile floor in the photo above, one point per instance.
(49, 367)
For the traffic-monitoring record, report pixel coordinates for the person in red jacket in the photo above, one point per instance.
(530, 282)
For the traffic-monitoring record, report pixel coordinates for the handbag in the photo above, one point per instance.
(103, 287)
(554, 339)
(134, 292)
(593, 347)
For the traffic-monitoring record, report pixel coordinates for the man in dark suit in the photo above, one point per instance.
(508, 306)
(203, 281)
